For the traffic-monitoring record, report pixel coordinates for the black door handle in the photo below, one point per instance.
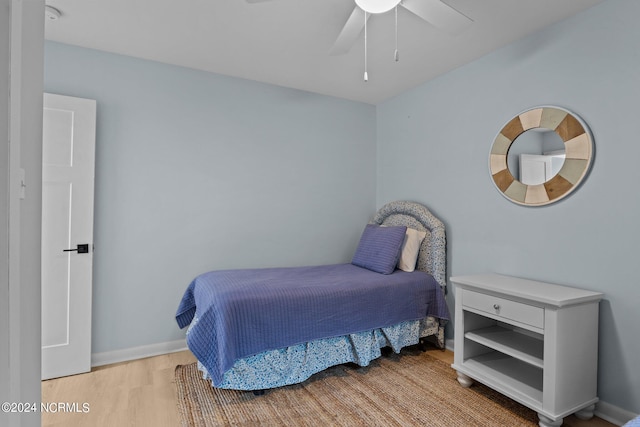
(82, 248)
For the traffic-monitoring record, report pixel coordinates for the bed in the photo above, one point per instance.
(258, 329)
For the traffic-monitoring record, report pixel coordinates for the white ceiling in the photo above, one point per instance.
(286, 42)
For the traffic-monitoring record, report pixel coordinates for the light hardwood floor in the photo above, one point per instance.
(136, 393)
(142, 393)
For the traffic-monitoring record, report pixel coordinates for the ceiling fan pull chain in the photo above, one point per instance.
(366, 76)
(396, 56)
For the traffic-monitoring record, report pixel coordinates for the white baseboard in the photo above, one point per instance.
(448, 344)
(613, 414)
(124, 355)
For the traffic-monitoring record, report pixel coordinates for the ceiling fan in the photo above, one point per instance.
(435, 12)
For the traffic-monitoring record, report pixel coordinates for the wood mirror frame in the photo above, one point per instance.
(579, 149)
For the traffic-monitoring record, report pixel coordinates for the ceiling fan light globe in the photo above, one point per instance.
(377, 6)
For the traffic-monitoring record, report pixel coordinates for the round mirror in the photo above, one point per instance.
(541, 156)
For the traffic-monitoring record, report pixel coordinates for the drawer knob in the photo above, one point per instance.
(496, 307)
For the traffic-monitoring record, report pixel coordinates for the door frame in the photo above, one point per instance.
(5, 55)
(20, 217)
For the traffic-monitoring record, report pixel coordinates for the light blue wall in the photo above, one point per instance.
(433, 147)
(196, 171)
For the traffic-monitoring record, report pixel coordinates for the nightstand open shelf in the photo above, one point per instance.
(513, 343)
(532, 341)
(509, 376)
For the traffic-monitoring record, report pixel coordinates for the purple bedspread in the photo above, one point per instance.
(244, 312)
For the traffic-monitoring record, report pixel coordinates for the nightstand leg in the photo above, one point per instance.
(586, 413)
(464, 380)
(548, 422)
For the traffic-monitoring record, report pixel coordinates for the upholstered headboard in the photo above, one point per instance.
(433, 252)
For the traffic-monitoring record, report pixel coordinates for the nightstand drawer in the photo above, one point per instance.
(504, 308)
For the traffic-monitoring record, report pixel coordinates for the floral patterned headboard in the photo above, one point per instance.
(433, 252)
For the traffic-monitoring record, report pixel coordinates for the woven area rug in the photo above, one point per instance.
(409, 389)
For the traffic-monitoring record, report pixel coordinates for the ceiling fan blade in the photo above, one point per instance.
(350, 32)
(438, 14)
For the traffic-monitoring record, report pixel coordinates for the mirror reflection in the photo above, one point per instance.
(536, 156)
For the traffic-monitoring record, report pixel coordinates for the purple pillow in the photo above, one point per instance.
(379, 248)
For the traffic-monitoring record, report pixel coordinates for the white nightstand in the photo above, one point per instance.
(532, 341)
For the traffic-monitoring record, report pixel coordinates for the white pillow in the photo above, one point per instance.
(410, 248)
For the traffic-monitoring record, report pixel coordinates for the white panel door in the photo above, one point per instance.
(534, 169)
(68, 160)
